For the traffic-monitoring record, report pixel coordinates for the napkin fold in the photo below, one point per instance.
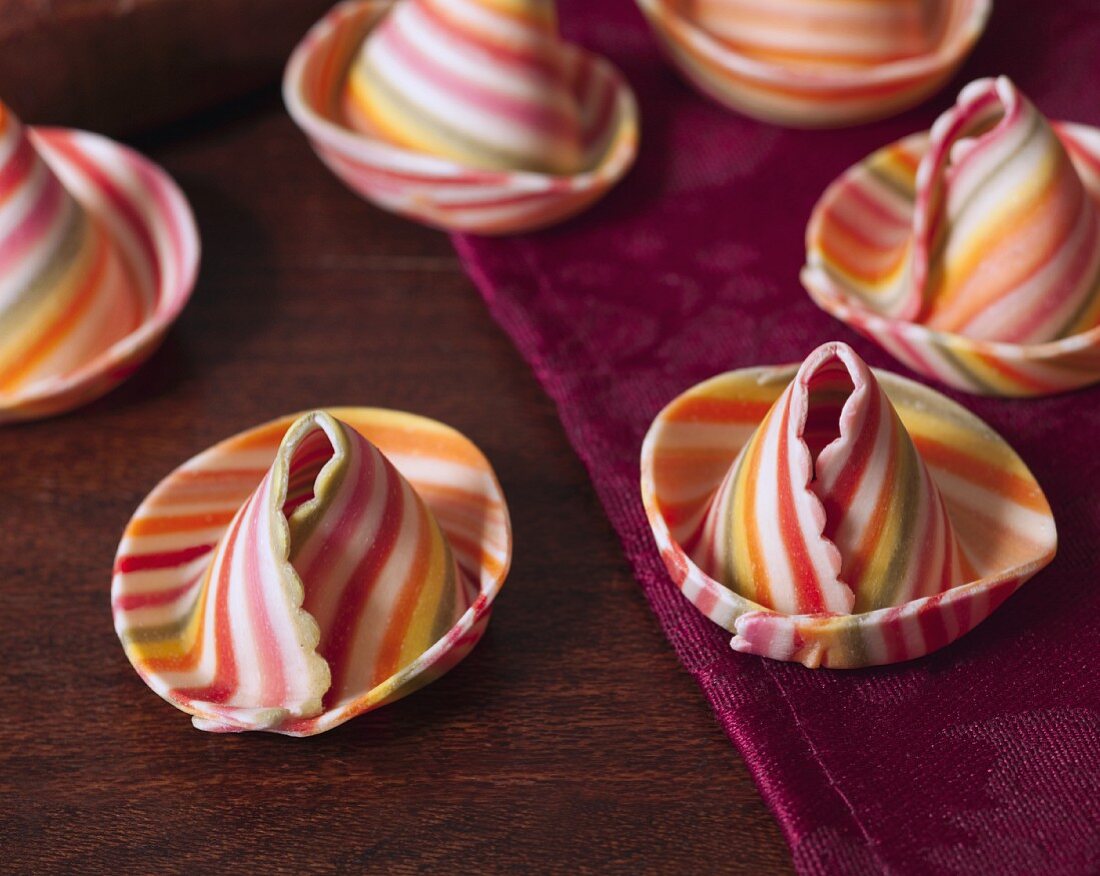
(983, 757)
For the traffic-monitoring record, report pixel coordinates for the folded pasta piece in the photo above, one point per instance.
(471, 115)
(481, 83)
(65, 292)
(98, 253)
(822, 33)
(839, 517)
(335, 585)
(972, 253)
(818, 63)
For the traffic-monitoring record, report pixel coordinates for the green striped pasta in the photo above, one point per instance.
(839, 517)
(311, 569)
(971, 253)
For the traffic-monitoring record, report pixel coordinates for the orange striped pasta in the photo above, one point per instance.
(821, 33)
(817, 63)
(469, 115)
(98, 252)
(476, 81)
(971, 253)
(311, 569)
(839, 517)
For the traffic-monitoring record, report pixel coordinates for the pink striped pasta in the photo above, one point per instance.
(482, 83)
(98, 254)
(838, 517)
(817, 63)
(971, 253)
(469, 116)
(821, 33)
(362, 566)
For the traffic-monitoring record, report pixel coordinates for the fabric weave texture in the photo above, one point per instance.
(983, 757)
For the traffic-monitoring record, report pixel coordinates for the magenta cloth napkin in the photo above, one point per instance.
(981, 758)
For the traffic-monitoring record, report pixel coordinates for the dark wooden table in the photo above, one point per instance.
(570, 740)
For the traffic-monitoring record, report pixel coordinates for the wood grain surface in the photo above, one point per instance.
(159, 60)
(570, 741)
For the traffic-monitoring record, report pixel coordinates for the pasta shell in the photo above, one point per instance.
(971, 253)
(362, 566)
(839, 517)
(470, 116)
(98, 254)
(507, 103)
(817, 63)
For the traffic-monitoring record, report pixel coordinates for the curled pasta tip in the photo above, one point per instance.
(471, 116)
(823, 508)
(972, 252)
(481, 83)
(836, 516)
(293, 597)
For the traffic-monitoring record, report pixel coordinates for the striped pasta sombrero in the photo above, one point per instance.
(469, 115)
(817, 63)
(311, 569)
(971, 253)
(839, 517)
(98, 255)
